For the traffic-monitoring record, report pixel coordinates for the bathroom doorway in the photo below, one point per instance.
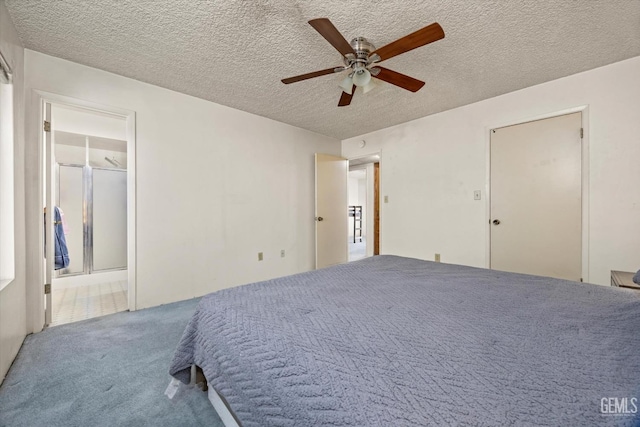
(87, 167)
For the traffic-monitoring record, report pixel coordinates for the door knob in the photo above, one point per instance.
(319, 218)
(496, 221)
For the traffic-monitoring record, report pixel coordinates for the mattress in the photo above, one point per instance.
(393, 341)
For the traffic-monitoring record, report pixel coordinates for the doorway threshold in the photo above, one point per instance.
(72, 304)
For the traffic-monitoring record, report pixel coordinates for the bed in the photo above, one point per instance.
(393, 341)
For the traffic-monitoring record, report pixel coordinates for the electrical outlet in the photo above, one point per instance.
(282, 253)
(437, 257)
(477, 195)
(260, 256)
(386, 199)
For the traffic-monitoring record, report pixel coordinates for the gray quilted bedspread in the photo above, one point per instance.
(391, 341)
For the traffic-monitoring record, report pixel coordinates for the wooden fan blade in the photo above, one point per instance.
(398, 79)
(345, 98)
(428, 34)
(308, 76)
(333, 36)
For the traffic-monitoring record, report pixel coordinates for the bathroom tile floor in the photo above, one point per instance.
(85, 302)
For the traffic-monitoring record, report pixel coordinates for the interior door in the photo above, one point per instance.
(49, 181)
(331, 210)
(536, 200)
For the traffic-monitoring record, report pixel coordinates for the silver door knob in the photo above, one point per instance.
(496, 221)
(319, 218)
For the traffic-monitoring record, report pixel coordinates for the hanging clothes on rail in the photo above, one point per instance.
(61, 253)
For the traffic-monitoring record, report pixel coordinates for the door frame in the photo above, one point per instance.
(584, 109)
(34, 192)
(377, 220)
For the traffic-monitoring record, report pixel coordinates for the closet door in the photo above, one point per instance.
(109, 219)
(536, 198)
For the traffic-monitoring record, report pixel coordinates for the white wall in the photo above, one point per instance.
(13, 326)
(352, 193)
(370, 196)
(352, 189)
(362, 201)
(91, 123)
(215, 185)
(431, 166)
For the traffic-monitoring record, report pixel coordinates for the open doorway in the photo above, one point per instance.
(357, 190)
(363, 214)
(86, 177)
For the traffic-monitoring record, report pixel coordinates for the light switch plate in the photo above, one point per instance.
(477, 195)
(260, 256)
(386, 199)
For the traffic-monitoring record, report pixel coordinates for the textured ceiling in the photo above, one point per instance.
(234, 52)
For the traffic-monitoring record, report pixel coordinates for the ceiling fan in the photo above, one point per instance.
(360, 57)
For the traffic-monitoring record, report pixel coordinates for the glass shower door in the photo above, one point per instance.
(109, 219)
(94, 204)
(71, 201)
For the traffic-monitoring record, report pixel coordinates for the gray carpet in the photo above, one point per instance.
(107, 371)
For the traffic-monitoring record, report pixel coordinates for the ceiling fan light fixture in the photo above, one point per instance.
(371, 85)
(347, 84)
(361, 77)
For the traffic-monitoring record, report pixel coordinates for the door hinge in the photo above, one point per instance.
(581, 133)
(47, 126)
(47, 289)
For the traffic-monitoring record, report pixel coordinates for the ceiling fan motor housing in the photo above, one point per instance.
(362, 46)
(363, 49)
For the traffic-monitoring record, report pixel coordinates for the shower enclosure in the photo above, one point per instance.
(92, 195)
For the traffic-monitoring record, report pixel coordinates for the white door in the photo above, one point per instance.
(331, 210)
(48, 207)
(536, 202)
